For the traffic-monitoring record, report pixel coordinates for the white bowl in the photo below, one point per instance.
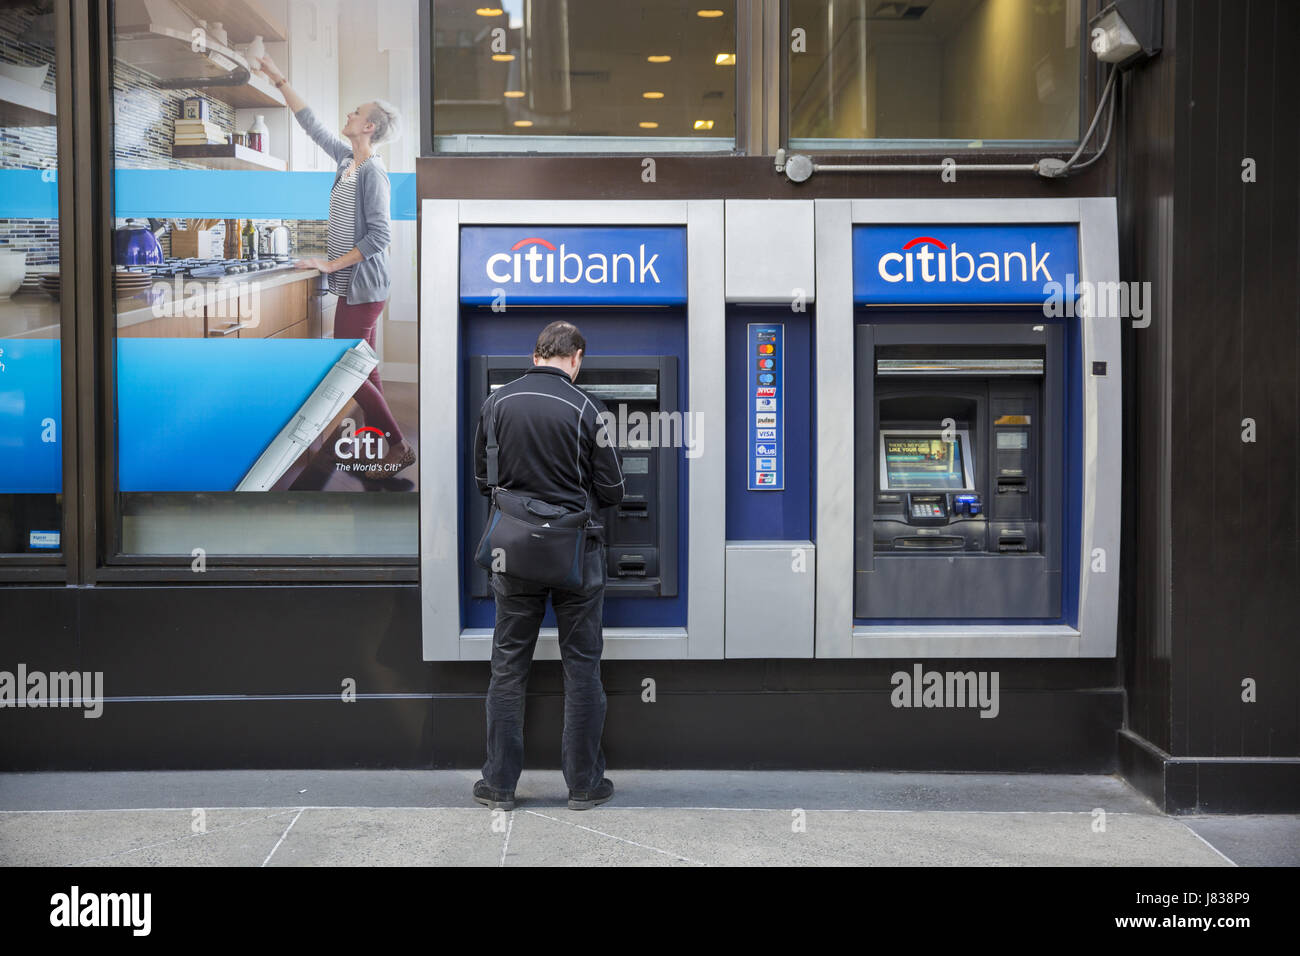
(31, 75)
(13, 267)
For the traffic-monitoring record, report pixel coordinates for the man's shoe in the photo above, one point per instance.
(586, 799)
(494, 799)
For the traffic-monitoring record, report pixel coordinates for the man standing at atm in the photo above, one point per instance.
(552, 446)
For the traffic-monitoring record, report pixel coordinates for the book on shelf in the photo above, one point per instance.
(198, 128)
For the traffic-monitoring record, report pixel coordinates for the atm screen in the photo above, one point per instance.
(922, 459)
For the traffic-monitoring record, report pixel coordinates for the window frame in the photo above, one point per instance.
(750, 16)
(101, 520)
(932, 147)
(21, 566)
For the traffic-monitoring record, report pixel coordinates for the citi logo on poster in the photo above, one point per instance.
(368, 443)
(929, 259)
(537, 260)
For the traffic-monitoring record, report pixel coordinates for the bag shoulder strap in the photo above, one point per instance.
(493, 475)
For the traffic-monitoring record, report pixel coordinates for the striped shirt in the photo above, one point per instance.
(341, 237)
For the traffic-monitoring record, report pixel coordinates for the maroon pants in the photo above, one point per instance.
(358, 322)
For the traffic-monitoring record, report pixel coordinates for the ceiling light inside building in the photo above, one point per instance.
(704, 124)
(648, 124)
(708, 14)
(503, 57)
(523, 122)
(653, 95)
(513, 94)
(725, 59)
(489, 11)
(658, 58)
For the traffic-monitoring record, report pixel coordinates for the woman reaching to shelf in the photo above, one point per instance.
(356, 262)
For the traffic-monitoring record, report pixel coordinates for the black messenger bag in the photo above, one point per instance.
(529, 538)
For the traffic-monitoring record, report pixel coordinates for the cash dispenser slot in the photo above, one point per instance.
(634, 509)
(945, 542)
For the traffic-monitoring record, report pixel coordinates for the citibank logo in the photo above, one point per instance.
(927, 259)
(369, 444)
(539, 261)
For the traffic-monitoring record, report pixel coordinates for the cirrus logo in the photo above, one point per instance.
(927, 259)
(537, 260)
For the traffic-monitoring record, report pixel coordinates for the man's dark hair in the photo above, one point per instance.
(559, 339)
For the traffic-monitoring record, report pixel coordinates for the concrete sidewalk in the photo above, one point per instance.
(700, 818)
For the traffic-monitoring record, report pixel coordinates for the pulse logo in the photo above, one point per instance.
(543, 262)
(368, 443)
(949, 264)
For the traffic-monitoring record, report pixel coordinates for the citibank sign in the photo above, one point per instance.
(540, 265)
(946, 264)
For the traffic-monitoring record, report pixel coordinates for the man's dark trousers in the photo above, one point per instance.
(520, 606)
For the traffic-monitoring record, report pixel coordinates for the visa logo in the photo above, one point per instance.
(765, 433)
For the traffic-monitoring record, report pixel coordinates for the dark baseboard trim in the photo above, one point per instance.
(1190, 785)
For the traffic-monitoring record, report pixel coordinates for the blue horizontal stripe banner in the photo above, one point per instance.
(229, 194)
(198, 194)
(29, 194)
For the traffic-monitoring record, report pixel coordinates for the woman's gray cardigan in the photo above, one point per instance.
(370, 278)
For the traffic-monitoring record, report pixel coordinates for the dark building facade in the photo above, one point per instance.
(280, 660)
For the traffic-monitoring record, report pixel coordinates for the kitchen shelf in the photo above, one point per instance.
(229, 156)
(23, 105)
(256, 93)
(164, 53)
(243, 19)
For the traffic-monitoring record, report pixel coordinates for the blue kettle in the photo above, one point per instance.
(136, 245)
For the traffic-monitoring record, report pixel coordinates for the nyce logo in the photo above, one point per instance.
(946, 689)
(102, 909)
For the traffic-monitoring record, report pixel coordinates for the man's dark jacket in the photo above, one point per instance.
(548, 445)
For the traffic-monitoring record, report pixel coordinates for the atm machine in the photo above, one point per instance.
(641, 279)
(959, 453)
(641, 531)
(968, 429)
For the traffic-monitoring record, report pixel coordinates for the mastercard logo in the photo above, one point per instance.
(766, 349)
(766, 363)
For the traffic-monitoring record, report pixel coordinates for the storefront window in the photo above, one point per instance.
(264, 303)
(31, 449)
(869, 74)
(566, 75)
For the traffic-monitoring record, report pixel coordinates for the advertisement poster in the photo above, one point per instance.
(272, 414)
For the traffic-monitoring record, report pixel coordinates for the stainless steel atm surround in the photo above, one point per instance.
(440, 382)
(836, 633)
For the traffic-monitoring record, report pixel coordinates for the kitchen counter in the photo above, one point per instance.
(216, 294)
(29, 317)
(38, 315)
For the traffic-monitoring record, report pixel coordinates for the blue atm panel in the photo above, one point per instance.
(636, 364)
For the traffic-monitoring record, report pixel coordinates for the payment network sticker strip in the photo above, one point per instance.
(764, 359)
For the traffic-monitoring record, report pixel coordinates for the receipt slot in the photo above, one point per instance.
(640, 394)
